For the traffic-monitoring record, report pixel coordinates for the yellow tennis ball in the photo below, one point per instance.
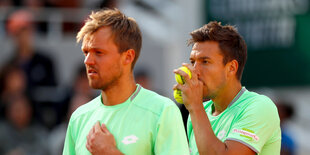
(178, 96)
(179, 78)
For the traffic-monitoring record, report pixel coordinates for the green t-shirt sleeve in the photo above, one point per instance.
(255, 124)
(171, 137)
(69, 146)
(189, 126)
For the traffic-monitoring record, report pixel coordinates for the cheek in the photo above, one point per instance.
(108, 67)
(212, 76)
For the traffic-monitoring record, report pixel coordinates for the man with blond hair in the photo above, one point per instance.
(125, 118)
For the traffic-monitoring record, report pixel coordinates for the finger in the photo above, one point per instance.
(97, 127)
(88, 147)
(182, 73)
(104, 128)
(91, 131)
(189, 66)
(185, 76)
(179, 87)
(175, 87)
(88, 143)
(192, 69)
(88, 136)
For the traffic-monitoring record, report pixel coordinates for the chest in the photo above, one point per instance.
(132, 130)
(222, 124)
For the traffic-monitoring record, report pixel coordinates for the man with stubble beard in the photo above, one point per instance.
(125, 118)
(234, 120)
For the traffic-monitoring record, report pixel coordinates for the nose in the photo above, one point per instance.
(89, 59)
(197, 68)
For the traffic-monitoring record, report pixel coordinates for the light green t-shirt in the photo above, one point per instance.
(250, 119)
(145, 124)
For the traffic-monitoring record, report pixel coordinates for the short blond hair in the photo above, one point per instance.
(125, 30)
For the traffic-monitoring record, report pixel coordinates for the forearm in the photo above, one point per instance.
(206, 141)
(116, 152)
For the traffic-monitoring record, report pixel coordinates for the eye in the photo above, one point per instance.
(85, 52)
(204, 61)
(192, 62)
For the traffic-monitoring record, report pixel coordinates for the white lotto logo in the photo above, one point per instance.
(130, 139)
(246, 133)
(221, 134)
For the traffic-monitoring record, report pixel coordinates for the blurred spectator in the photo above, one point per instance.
(57, 135)
(66, 3)
(79, 87)
(39, 69)
(108, 4)
(19, 134)
(67, 26)
(5, 3)
(100, 4)
(12, 81)
(37, 7)
(34, 4)
(286, 112)
(81, 94)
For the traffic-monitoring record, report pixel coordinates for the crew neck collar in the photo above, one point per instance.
(129, 100)
(243, 89)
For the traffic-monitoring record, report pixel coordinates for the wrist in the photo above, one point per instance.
(115, 151)
(194, 108)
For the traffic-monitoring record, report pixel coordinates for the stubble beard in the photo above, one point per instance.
(106, 85)
(207, 94)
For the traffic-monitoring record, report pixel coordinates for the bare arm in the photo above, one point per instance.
(206, 141)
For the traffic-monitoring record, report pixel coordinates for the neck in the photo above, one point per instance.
(25, 53)
(225, 96)
(120, 92)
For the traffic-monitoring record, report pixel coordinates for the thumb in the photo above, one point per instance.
(97, 127)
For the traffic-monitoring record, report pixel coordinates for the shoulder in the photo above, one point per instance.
(86, 109)
(153, 102)
(259, 107)
(258, 102)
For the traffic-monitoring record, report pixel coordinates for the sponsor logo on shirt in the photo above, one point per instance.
(221, 134)
(247, 134)
(130, 139)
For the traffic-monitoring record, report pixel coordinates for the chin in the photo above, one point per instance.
(94, 85)
(206, 96)
(100, 87)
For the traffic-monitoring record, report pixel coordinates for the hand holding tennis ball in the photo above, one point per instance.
(180, 79)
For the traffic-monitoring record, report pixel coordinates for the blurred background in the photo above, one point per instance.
(43, 80)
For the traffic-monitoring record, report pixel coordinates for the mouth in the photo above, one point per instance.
(91, 72)
(201, 81)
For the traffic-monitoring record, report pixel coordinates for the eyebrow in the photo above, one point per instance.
(94, 48)
(201, 58)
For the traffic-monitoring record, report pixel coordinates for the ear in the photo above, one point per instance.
(129, 56)
(232, 67)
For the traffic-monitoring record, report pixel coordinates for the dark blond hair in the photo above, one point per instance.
(125, 30)
(231, 43)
